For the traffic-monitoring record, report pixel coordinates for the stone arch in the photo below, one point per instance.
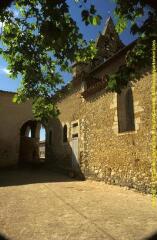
(29, 145)
(30, 124)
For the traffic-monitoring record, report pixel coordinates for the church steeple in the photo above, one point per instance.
(108, 43)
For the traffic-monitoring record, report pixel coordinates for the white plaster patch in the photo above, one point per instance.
(114, 103)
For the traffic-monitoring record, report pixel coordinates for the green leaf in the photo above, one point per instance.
(92, 9)
(95, 20)
(121, 25)
(14, 99)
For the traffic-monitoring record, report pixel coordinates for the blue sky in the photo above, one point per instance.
(42, 134)
(104, 8)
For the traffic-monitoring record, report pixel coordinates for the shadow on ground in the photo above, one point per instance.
(16, 177)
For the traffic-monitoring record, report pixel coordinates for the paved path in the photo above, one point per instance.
(39, 205)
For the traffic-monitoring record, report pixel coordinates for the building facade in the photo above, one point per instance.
(98, 134)
(105, 135)
(19, 132)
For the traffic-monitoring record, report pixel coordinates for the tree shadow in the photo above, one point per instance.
(2, 237)
(152, 237)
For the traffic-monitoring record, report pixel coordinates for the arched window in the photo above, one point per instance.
(28, 132)
(28, 129)
(50, 137)
(125, 110)
(65, 130)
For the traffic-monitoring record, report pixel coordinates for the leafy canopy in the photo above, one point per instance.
(142, 16)
(37, 37)
(43, 36)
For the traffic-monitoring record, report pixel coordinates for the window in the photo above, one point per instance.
(75, 125)
(65, 129)
(125, 110)
(75, 135)
(28, 132)
(50, 137)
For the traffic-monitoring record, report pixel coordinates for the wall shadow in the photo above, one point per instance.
(64, 148)
(61, 163)
(25, 176)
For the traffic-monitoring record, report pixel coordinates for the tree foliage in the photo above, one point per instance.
(40, 35)
(142, 15)
(38, 38)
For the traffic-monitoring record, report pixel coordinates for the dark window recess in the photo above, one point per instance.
(50, 137)
(75, 135)
(125, 110)
(65, 130)
(75, 124)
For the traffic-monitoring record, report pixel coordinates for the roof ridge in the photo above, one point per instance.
(5, 91)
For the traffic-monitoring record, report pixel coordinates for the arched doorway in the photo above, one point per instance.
(30, 143)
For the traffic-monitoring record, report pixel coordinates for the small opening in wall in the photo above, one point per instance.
(65, 131)
(125, 110)
(28, 132)
(75, 135)
(75, 124)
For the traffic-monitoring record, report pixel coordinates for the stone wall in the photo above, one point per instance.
(60, 152)
(118, 158)
(105, 154)
(12, 117)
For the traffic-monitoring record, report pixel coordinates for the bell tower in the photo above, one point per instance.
(108, 42)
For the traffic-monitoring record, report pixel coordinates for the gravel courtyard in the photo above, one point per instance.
(41, 205)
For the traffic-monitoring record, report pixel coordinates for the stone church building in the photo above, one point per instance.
(98, 134)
